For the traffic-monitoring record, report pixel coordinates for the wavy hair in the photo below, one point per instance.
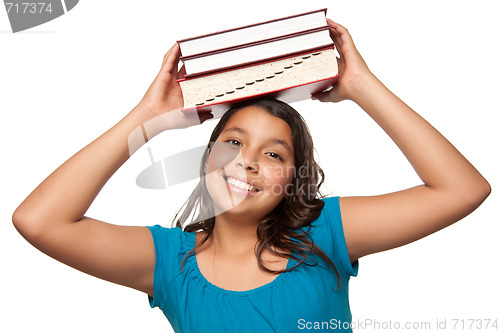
(288, 225)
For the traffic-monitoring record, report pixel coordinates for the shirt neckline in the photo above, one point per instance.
(276, 283)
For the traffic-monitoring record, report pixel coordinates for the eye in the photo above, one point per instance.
(234, 142)
(274, 155)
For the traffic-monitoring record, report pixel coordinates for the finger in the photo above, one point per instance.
(341, 34)
(345, 44)
(167, 55)
(336, 26)
(334, 34)
(205, 116)
(171, 60)
(175, 60)
(191, 117)
(326, 96)
(182, 72)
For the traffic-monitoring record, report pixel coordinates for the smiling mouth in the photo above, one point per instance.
(242, 185)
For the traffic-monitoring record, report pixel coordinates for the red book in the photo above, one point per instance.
(259, 51)
(252, 33)
(289, 79)
(259, 60)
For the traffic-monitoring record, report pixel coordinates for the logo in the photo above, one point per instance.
(24, 14)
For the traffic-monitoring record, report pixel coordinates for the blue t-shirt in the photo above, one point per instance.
(305, 299)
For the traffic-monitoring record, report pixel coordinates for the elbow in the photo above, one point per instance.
(466, 197)
(479, 192)
(18, 219)
(26, 224)
(485, 191)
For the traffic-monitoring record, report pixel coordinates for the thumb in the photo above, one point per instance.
(326, 96)
(205, 116)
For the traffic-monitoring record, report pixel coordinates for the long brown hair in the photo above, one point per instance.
(288, 225)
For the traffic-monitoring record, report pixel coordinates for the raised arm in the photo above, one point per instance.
(52, 217)
(452, 187)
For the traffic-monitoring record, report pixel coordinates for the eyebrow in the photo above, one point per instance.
(273, 140)
(235, 129)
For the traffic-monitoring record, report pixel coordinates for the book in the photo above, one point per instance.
(289, 79)
(252, 33)
(257, 51)
(288, 67)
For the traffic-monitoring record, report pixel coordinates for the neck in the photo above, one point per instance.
(234, 235)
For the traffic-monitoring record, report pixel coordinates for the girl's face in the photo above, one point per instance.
(259, 172)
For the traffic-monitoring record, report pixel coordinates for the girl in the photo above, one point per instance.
(260, 251)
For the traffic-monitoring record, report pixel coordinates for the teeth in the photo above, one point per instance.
(241, 185)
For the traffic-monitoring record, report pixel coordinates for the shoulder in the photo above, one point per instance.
(327, 232)
(164, 232)
(330, 213)
(171, 246)
(171, 240)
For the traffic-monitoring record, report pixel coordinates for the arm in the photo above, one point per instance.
(452, 187)
(52, 217)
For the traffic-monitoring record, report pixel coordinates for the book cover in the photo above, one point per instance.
(257, 51)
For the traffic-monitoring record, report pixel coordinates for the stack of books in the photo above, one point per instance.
(289, 58)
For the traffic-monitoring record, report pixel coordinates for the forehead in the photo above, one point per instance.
(258, 123)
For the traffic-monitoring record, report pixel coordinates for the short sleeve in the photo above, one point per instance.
(167, 242)
(328, 234)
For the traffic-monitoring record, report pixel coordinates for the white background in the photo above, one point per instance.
(64, 83)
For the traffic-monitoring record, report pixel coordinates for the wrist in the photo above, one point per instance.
(140, 114)
(136, 124)
(361, 85)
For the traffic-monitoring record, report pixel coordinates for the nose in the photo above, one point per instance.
(248, 161)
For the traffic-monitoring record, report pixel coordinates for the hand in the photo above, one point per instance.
(351, 66)
(161, 106)
(165, 94)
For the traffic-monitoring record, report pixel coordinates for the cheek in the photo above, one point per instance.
(218, 192)
(221, 155)
(222, 196)
(278, 180)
